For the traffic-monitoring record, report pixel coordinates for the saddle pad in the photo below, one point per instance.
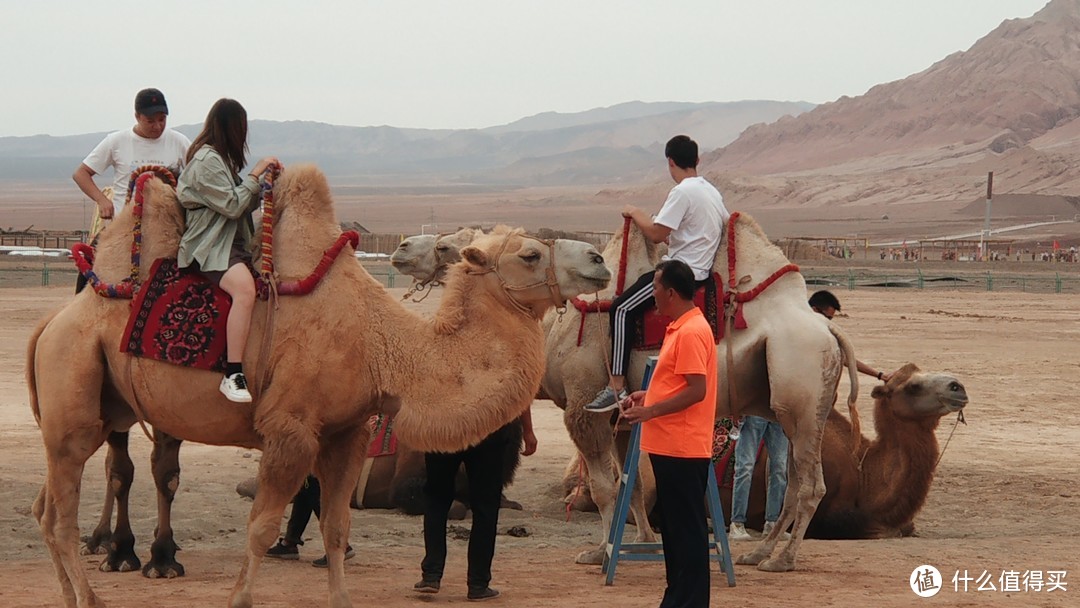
(178, 317)
(653, 325)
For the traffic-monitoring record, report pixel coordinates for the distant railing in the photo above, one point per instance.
(916, 279)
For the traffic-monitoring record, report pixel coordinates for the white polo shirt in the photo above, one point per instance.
(695, 212)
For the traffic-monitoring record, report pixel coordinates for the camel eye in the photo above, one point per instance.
(442, 248)
(531, 256)
(955, 387)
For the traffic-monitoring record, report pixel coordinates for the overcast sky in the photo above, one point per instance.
(74, 67)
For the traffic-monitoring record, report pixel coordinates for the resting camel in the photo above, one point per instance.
(787, 367)
(335, 357)
(871, 502)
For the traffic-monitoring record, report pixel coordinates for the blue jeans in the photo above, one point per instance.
(751, 432)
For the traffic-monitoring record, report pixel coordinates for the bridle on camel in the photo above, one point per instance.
(550, 281)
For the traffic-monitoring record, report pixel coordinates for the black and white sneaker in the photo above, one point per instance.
(606, 400)
(234, 388)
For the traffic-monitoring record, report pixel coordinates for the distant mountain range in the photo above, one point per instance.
(603, 145)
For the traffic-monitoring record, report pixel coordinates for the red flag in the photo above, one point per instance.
(1056, 246)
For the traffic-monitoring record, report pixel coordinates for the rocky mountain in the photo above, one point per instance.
(1010, 104)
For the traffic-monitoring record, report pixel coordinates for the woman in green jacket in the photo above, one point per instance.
(219, 230)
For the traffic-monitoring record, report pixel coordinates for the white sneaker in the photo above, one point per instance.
(738, 532)
(234, 388)
(769, 525)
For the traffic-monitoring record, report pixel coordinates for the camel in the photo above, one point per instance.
(787, 367)
(334, 358)
(425, 257)
(876, 489)
(862, 503)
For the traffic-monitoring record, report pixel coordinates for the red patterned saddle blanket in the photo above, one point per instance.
(383, 440)
(178, 317)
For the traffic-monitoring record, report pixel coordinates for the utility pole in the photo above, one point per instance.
(983, 245)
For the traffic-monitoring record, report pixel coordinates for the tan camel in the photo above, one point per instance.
(337, 356)
(787, 366)
(878, 491)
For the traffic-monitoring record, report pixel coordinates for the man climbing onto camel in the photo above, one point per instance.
(692, 221)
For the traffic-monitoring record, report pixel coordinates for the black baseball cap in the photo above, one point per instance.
(150, 101)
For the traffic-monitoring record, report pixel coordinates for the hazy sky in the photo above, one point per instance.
(74, 67)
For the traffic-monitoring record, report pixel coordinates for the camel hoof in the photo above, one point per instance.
(170, 570)
(240, 599)
(750, 559)
(776, 564)
(593, 557)
(89, 550)
(511, 504)
(125, 564)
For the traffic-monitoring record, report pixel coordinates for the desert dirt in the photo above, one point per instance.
(1006, 497)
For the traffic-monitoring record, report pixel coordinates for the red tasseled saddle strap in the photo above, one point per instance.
(739, 298)
(304, 286)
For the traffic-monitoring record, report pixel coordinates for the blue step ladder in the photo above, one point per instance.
(618, 550)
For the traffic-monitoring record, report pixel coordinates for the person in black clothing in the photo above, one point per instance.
(484, 469)
(305, 503)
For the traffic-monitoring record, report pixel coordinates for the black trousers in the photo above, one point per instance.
(305, 503)
(626, 313)
(484, 468)
(680, 493)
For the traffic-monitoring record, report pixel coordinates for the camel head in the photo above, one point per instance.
(913, 394)
(536, 274)
(425, 257)
(415, 256)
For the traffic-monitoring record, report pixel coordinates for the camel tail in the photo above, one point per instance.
(853, 375)
(31, 373)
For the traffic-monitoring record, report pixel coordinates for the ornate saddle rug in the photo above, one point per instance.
(178, 317)
(383, 440)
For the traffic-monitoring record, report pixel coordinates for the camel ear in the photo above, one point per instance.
(475, 255)
(879, 391)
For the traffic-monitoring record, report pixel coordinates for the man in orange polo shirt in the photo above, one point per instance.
(677, 413)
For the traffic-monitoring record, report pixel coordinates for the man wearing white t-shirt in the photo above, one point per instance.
(691, 221)
(147, 143)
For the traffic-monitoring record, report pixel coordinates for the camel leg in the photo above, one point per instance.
(121, 555)
(66, 589)
(338, 468)
(287, 459)
(603, 488)
(60, 511)
(165, 462)
(98, 543)
(805, 463)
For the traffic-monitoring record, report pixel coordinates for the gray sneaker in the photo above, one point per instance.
(606, 400)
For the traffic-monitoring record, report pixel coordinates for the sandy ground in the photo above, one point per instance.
(1006, 497)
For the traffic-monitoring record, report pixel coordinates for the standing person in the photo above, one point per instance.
(751, 431)
(692, 220)
(827, 305)
(676, 414)
(484, 469)
(149, 142)
(305, 503)
(219, 230)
